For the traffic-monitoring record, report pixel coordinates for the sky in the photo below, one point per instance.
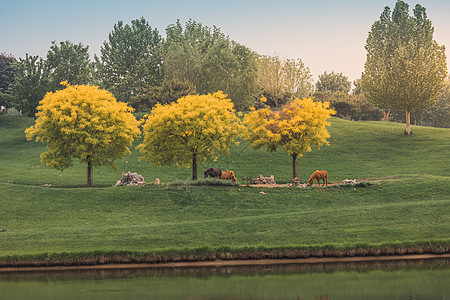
(328, 35)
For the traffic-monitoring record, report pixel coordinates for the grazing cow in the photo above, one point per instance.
(228, 175)
(213, 172)
(319, 175)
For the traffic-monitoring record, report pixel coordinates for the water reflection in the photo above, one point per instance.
(422, 279)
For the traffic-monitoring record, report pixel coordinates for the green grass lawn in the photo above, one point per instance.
(67, 217)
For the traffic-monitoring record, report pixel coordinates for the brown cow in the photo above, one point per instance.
(228, 175)
(319, 175)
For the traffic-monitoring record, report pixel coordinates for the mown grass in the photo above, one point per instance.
(71, 221)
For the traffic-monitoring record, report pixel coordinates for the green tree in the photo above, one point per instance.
(192, 130)
(438, 115)
(279, 78)
(231, 68)
(130, 60)
(183, 62)
(196, 34)
(6, 74)
(86, 123)
(270, 78)
(68, 62)
(405, 68)
(333, 82)
(300, 126)
(207, 59)
(297, 79)
(31, 83)
(170, 91)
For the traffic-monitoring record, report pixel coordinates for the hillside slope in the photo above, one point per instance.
(357, 150)
(68, 223)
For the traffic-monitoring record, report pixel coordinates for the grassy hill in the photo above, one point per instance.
(68, 220)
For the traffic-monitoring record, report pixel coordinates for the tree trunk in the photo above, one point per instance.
(408, 122)
(194, 166)
(89, 174)
(294, 165)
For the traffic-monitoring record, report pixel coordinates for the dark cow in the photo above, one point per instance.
(213, 172)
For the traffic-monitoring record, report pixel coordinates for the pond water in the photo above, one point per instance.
(423, 279)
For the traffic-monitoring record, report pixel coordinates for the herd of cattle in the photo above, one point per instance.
(229, 175)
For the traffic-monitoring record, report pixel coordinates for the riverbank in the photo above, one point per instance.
(226, 256)
(229, 263)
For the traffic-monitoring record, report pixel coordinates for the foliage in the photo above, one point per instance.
(207, 59)
(278, 78)
(192, 130)
(130, 60)
(68, 62)
(350, 106)
(31, 79)
(299, 126)
(230, 67)
(182, 62)
(405, 68)
(333, 82)
(185, 49)
(86, 123)
(168, 92)
(439, 114)
(203, 37)
(6, 74)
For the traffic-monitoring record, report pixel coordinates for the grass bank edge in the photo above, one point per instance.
(207, 253)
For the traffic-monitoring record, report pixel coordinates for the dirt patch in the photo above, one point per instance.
(345, 182)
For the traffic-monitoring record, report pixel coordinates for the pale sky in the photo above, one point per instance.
(328, 35)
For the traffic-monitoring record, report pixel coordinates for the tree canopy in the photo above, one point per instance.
(300, 126)
(207, 59)
(30, 84)
(278, 78)
(405, 68)
(333, 82)
(86, 123)
(130, 60)
(6, 74)
(68, 62)
(192, 130)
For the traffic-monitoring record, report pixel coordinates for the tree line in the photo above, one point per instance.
(142, 68)
(405, 71)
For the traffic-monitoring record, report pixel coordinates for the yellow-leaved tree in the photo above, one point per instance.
(86, 123)
(192, 130)
(298, 127)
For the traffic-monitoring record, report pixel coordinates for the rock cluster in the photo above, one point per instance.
(349, 181)
(264, 180)
(132, 179)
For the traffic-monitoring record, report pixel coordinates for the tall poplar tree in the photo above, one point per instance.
(405, 68)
